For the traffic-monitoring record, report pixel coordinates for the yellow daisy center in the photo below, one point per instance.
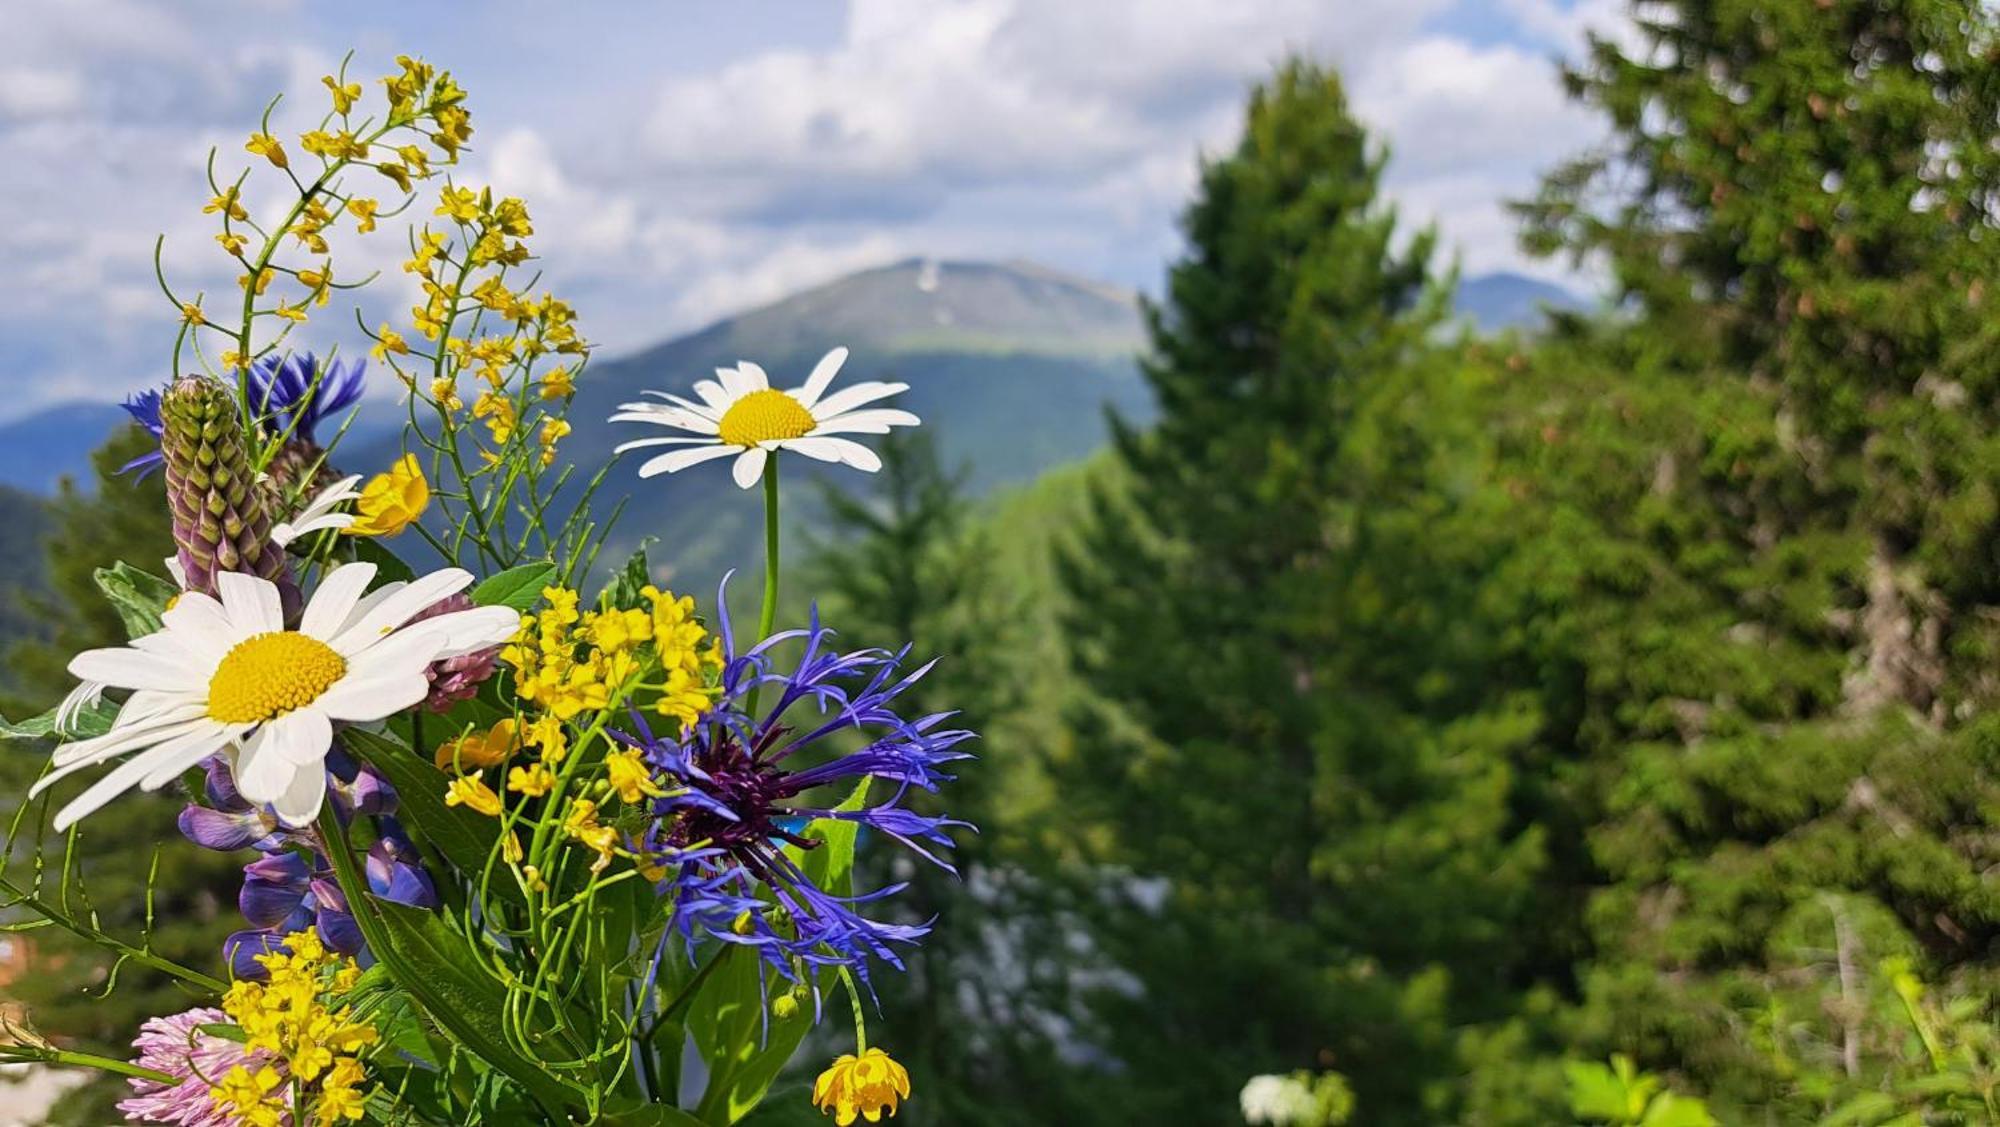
(268, 675)
(765, 416)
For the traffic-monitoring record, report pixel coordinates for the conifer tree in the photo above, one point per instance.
(1771, 504)
(908, 566)
(1297, 860)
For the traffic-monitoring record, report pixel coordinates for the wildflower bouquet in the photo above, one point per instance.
(516, 839)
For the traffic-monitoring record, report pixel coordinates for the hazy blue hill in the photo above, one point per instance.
(39, 450)
(1504, 301)
(22, 568)
(1011, 366)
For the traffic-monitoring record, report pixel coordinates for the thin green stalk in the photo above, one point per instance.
(36, 1054)
(769, 615)
(20, 896)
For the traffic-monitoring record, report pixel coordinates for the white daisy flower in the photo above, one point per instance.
(740, 414)
(320, 513)
(226, 676)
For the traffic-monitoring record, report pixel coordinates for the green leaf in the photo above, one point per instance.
(228, 1031)
(624, 587)
(1669, 1110)
(93, 721)
(389, 566)
(743, 1059)
(636, 1114)
(464, 839)
(140, 598)
(1596, 1092)
(432, 962)
(517, 588)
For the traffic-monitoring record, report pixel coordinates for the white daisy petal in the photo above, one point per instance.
(318, 514)
(302, 737)
(751, 376)
(117, 741)
(333, 604)
(843, 450)
(260, 772)
(201, 625)
(749, 466)
(166, 760)
(854, 395)
(822, 375)
(251, 603)
(192, 748)
(359, 700)
(648, 443)
(300, 801)
(874, 420)
(713, 394)
(398, 609)
(681, 459)
(126, 668)
(178, 570)
(734, 385)
(469, 631)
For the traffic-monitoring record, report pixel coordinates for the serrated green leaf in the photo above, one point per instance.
(139, 597)
(517, 588)
(464, 839)
(88, 723)
(743, 1058)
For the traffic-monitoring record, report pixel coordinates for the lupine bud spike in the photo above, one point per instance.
(219, 517)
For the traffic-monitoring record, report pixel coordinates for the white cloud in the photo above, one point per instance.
(1063, 131)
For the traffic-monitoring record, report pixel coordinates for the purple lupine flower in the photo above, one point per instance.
(177, 1046)
(735, 801)
(458, 678)
(145, 411)
(296, 397)
(286, 890)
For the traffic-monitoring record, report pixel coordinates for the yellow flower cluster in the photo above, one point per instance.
(426, 123)
(686, 663)
(289, 1017)
(867, 1085)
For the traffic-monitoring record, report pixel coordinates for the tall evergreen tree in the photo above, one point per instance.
(908, 565)
(1297, 857)
(1770, 581)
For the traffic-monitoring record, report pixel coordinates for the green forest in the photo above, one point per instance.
(1594, 724)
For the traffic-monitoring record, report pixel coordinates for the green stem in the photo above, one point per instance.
(37, 1055)
(145, 958)
(769, 616)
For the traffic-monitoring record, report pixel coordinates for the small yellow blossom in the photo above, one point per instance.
(226, 203)
(191, 314)
(388, 340)
(479, 750)
(263, 280)
(232, 359)
(582, 825)
(344, 95)
(868, 1085)
(292, 313)
(534, 780)
(444, 390)
(473, 793)
(268, 147)
(629, 776)
(231, 242)
(460, 204)
(498, 411)
(395, 172)
(390, 501)
(363, 210)
(557, 383)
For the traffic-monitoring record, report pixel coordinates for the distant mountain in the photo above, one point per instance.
(39, 450)
(1010, 366)
(1512, 301)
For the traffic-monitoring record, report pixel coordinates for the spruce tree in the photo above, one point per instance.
(1294, 856)
(909, 564)
(1771, 597)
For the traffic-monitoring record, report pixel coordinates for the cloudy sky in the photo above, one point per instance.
(686, 160)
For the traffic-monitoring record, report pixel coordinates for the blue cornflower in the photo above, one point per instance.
(145, 411)
(296, 396)
(737, 797)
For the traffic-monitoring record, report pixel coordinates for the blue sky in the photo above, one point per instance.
(686, 160)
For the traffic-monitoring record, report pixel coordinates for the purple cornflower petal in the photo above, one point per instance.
(145, 411)
(295, 396)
